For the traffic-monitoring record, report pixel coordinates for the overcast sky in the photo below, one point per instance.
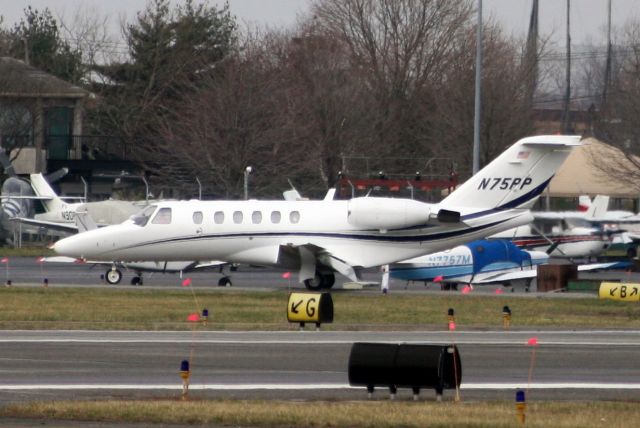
(588, 17)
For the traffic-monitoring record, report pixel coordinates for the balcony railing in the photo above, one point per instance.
(92, 147)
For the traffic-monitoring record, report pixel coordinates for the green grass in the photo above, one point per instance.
(25, 252)
(111, 308)
(354, 414)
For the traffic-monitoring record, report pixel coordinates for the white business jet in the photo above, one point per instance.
(319, 238)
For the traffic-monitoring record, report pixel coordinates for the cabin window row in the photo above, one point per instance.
(256, 217)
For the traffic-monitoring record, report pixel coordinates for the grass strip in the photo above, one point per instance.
(113, 308)
(331, 414)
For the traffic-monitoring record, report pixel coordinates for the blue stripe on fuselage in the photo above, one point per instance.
(355, 237)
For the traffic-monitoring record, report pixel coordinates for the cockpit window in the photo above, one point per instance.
(143, 216)
(163, 216)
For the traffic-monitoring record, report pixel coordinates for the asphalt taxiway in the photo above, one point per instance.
(593, 365)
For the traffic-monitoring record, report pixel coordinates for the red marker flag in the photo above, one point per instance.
(452, 326)
(194, 317)
(186, 282)
(438, 278)
(40, 260)
(499, 291)
(466, 290)
(5, 260)
(286, 275)
(533, 341)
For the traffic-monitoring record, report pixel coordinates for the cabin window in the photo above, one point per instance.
(143, 216)
(294, 217)
(197, 217)
(276, 217)
(218, 217)
(237, 217)
(163, 216)
(256, 217)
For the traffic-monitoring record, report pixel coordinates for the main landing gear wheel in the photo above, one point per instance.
(320, 281)
(225, 281)
(113, 276)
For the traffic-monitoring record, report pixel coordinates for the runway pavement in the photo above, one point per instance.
(593, 365)
(27, 271)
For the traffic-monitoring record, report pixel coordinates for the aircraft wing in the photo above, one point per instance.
(52, 225)
(212, 263)
(510, 276)
(532, 273)
(601, 266)
(150, 266)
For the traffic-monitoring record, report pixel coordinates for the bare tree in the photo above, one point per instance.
(617, 121)
(403, 48)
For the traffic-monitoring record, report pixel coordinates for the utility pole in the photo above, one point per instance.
(566, 120)
(531, 54)
(476, 122)
(607, 70)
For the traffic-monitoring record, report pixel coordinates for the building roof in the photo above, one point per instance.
(579, 174)
(18, 79)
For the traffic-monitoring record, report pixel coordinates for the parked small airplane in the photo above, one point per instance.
(318, 238)
(481, 262)
(478, 262)
(60, 215)
(572, 234)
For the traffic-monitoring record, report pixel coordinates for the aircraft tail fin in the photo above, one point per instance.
(599, 207)
(584, 203)
(44, 189)
(84, 222)
(517, 177)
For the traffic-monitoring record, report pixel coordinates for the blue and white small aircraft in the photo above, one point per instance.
(478, 262)
(481, 262)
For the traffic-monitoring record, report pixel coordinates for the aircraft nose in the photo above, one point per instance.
(68, 247)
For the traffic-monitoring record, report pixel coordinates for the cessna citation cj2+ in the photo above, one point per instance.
(319, 238)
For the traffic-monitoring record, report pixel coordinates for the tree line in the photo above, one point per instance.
(393, 80)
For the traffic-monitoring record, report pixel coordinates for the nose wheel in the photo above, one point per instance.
(113, 276)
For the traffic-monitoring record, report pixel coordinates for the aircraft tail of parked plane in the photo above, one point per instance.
(319, 238)
(42, 188)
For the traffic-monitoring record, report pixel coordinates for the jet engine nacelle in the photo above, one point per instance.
(386, 213)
